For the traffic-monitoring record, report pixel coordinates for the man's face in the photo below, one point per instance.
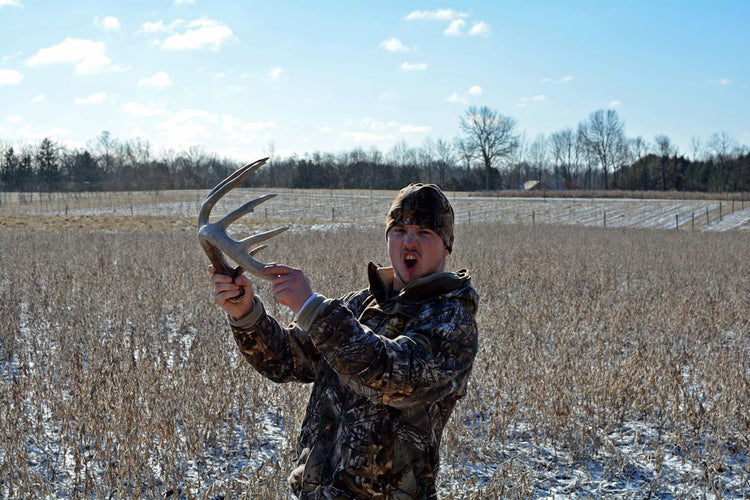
(415, 251)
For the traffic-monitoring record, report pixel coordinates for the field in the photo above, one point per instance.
(613, 362)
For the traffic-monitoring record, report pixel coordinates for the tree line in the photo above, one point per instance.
(488, 154)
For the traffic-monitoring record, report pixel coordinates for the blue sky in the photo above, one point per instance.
(243, 78)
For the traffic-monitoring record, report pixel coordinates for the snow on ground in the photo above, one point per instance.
(739, 221)
(305, 207)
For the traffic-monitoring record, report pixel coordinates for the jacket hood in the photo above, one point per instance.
(441, 283)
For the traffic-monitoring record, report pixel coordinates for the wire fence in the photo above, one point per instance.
(370, 207)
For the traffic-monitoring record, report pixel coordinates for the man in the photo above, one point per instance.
(388, 363)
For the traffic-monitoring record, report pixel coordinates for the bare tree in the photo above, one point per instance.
(666, 150)
(696, 147)
(105, 148)
(638, 148)
(465, 154)
(566, 154)
(605, 137)
(721, 146)
(491, 135)
(401, 154)
(426, 155)
(538, 156)
(445, 158)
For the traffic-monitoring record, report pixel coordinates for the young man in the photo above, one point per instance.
(388, 363)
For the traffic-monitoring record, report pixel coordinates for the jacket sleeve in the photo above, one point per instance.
(280, 354)
(429, 361)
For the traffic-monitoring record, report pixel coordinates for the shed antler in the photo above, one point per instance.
(213, 235)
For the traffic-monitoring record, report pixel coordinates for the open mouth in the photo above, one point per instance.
(410, 261)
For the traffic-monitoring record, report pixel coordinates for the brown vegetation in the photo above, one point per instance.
(603, 353)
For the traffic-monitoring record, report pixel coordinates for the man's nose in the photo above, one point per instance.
(410, 238)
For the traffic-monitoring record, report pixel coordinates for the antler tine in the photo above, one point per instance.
(244, 209)
(257, 238)
(257, 249)
(214, 238)
(226, 185)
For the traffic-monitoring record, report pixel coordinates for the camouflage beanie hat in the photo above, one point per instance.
(423, 205)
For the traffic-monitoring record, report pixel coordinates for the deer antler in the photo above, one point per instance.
(213, 235)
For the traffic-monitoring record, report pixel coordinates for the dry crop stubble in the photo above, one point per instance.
(120, 376)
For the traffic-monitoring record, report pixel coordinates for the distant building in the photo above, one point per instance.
(534, 186)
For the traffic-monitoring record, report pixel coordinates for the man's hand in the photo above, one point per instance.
(289, 286)
(226, 288)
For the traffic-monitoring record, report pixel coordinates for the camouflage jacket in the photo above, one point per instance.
(387, 371)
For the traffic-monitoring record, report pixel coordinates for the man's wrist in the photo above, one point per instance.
(309, 311)
(250, 318)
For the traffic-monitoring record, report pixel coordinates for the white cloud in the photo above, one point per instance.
(564, 79)
(724, 81)
(326, 130)
(14, 119)
(454, 97)
(201, 34)
(30, 135)
(87, 55)
(413, 66)
(439, 15)
(11, 56)
(363, 136)
(480, 29)
(188, 126)
(156, 27)
(387, 95)
(137, 109)
(10, 3)
(10, 77)
(183, 2)
(524, 101)
(236, 130)
(95, 98)
(276, 72)
(455, 27)
(394, 45)
(456, 21)
(415, 129)
(473, 91)
(160, 79)
(615, 104)
(38, 98)
(108, 22)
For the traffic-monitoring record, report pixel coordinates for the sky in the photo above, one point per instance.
(243, 79)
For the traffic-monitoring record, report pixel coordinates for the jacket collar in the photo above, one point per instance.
(381, 285)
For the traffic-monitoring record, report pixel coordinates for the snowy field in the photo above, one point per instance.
(305, 207)
(632, 459)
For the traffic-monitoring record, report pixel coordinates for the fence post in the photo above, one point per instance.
(692, 221)
(533, 219)
(677, 222)
(333, 213)
(707, 221)
(720, 214)
(605, 219)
